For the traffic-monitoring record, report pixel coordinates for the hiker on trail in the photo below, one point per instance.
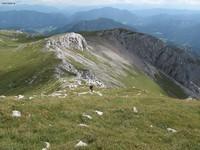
(91, 88)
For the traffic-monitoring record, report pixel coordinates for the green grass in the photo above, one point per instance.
(170, 87)
(137, 79)
(24, 67)
(56, 121)
(162, 85)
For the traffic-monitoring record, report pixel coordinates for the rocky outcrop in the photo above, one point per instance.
(173, 61)
(69, 41)
(181, 66)
(63, 46)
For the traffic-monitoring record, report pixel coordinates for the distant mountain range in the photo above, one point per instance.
(176, 26)
(24, 7)
(30, 20)
(180, 29)
(92, 25)
(122, 16)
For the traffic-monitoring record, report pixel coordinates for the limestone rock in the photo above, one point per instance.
(99, 112)
(171, 130)
(16, 114)
(87, 116)
(81, 144)
(69, 41)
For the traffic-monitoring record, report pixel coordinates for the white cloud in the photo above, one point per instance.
(103, 2)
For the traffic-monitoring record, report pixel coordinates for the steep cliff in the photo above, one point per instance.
(177, 63)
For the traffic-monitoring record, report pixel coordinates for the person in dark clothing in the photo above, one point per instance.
(91, 88)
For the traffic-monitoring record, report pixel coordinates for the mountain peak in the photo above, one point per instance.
(69, 40)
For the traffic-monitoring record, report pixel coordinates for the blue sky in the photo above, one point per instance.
(156, 3)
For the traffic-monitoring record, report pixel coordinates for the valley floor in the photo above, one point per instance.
(131, 119)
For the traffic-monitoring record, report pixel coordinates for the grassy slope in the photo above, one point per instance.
(24, 68)
(133, 76)
(56, 121)
(170, 87)
(141, 81)
(162, 85)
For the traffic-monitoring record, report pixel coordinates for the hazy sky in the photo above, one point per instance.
(186, 3)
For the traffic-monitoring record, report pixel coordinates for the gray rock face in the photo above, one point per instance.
(175, 62)
(157, 56)
(69, 40)
(63, 46)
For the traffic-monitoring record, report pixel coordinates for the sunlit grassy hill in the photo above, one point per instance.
(24, 67)
(57, 121)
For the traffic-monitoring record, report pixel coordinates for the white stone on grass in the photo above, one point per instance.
(63, 96)
(98, 93)
(2, 96)
(47, 146)
(20, 97)
(56, 94)
(171, 130)
(72, 86)
(87, 116)
(83, 93)
(83, 125)
(189, 99)
(16, 114)
(99, 112)
(30, 98)
(81, 144)
(135, 110)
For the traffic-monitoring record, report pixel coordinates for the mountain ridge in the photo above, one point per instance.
(119, 15)
(162, 56)
(130, 55)
(91, 25)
